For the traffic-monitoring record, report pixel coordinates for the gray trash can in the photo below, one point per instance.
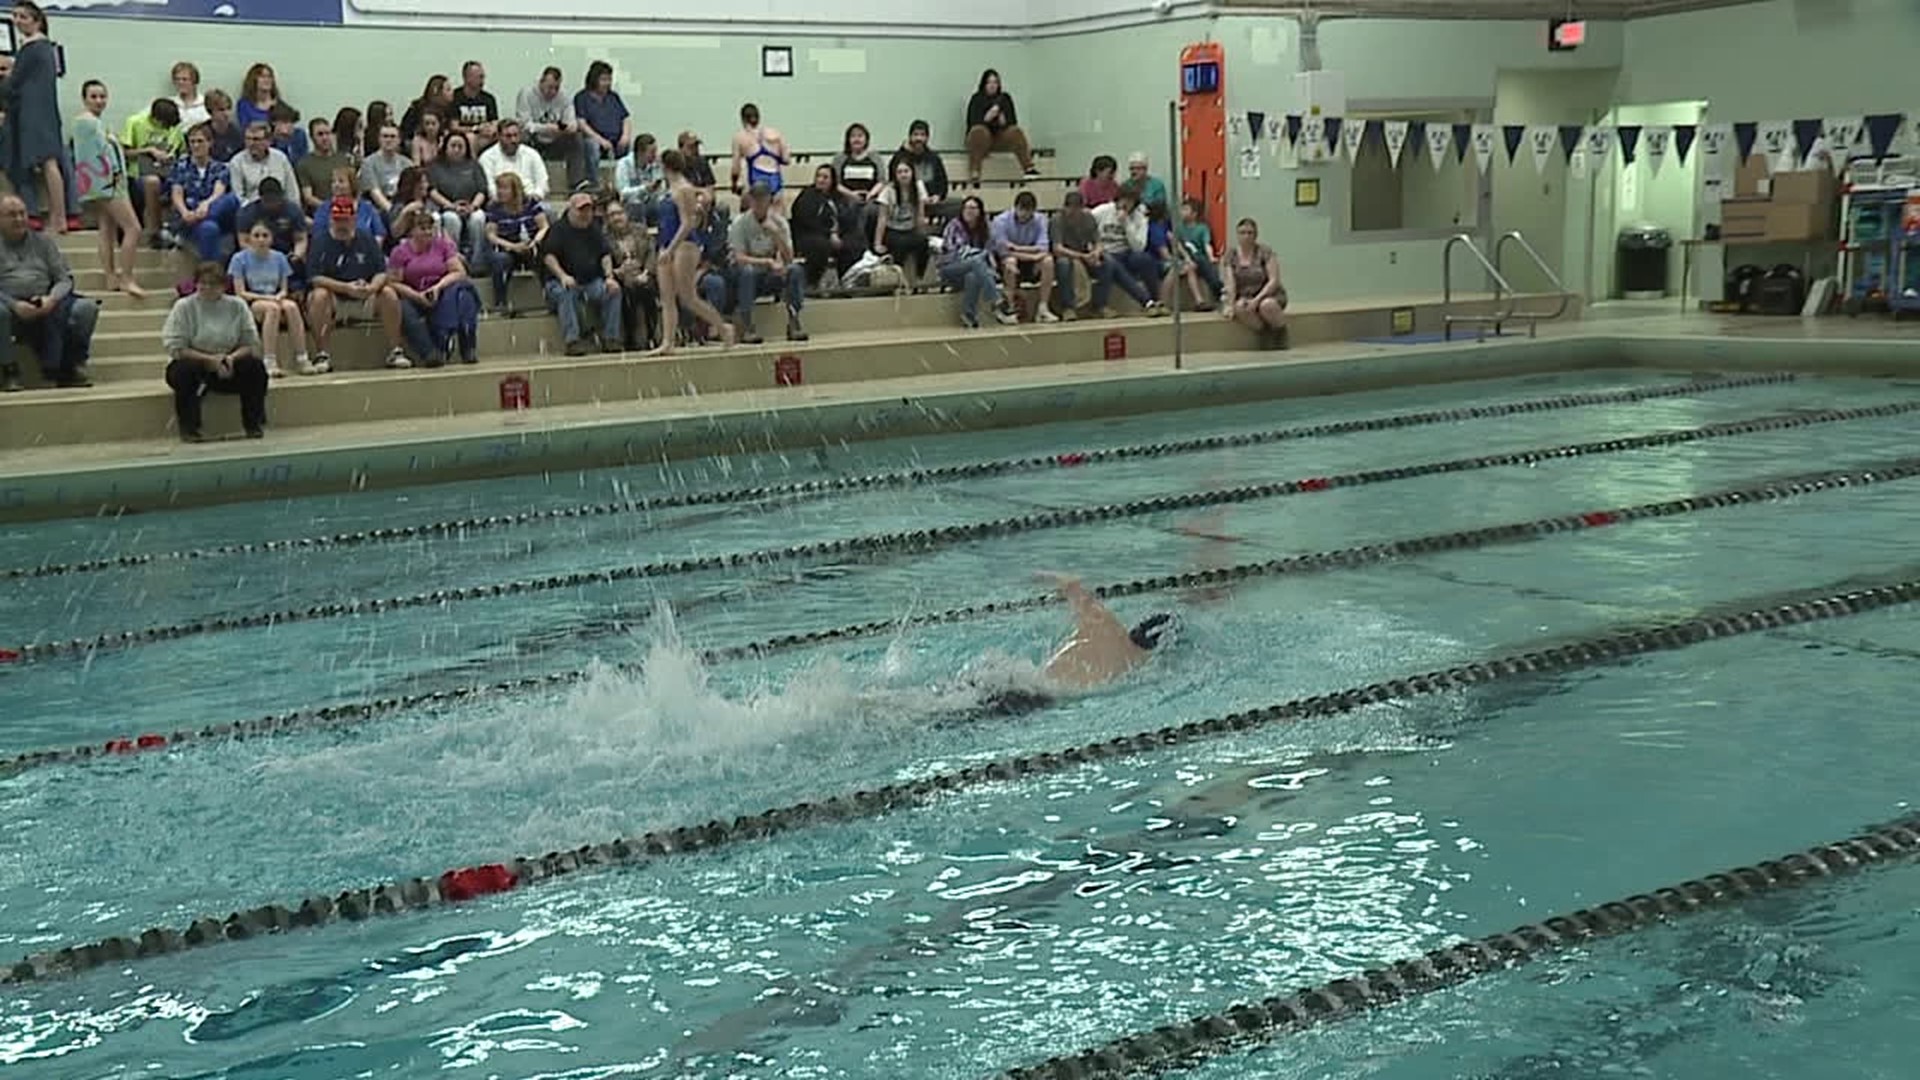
(1640, 262)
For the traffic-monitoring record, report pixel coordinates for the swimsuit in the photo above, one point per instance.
(755, 174)
(670, 224)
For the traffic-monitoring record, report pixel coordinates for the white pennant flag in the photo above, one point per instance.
(1598, 141)
(1439, 141)
(1842, 136)
(1396, 135)
(1717, 149)
(1776, 143)
(1655, 142)
(1543, 140)
(1352, 134)
(1313, 138)
(1484, 137)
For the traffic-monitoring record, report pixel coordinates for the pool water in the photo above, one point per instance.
(1013, 921)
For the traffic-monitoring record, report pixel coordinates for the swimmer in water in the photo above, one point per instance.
(1100, 650)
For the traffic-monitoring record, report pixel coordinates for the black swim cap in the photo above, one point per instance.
(1147, 634)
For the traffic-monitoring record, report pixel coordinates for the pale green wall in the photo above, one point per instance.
(1551, 208)
(1669, 199)
(669, 82)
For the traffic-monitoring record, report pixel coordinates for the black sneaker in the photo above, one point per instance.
(10, 381)
(75, 381)
(795, 332)
(255, 433)
(577, 348)
(191, 436)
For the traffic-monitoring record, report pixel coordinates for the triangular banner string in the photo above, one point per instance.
(1330, 132)
(1628, 135)
(1293, 129)
(1659, 140)
(1683, 138)
(1881, 128)
(1540, 140)
(1462, 142)
(1744, 134)
(1256, 124)
(1570, 136)
(1514, 135)
(1439, 140)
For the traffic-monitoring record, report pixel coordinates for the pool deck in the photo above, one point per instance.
(62, 480)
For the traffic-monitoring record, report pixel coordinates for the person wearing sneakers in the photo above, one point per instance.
(264, 279)
(1076, 247)
(762, 247)
(1025, 255)
(578, 261)
(212, 345)
(1123, 238)
(345, 265)
(38, 305)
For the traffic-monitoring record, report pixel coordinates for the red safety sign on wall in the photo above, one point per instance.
(1116, 345)
(516, 392)
(786, 370)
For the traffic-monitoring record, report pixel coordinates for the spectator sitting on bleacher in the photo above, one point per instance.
(714, 283)
(900, 228)
(1123, 237)
(263, 278)
(285, 220)
(228, 139)
(762, 247)
(966, 263)
(992, 124)
(412, 195)
(1193, 254)
(424, 147)
(641, 181)
(154, 140)
(699, 170)
(605, 123)
(380, 172)
(816, 228)
(379, 115)
(345, 266)
(212, 345)
(38, 305)
(367, 217)
(349, 133)
(203, 207)
(458, 188)
(759, 153)
(860, 179)
(516, 225)
(547, 120)
(1255, 297)
(634, 255)
(508, 156)
(1025, 254)
(1076, 242)
(438, 305)
(250, 167)
(928, 166)
(1152, 192)
(436, 99)
(287, 136)
(315, 171)
(186, 95)
(259, 93)
(579, 265)
(1099, 188)
(475, 113)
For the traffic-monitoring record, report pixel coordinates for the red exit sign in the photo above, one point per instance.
(1565, 35)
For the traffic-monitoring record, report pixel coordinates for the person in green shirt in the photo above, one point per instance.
(1194, 254)
(1153, 191)
(152, 140)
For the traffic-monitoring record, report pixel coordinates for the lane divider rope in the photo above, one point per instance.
(472, 882)
(907, 477)
(332, 716)
(1179, 1045)
(924, 540)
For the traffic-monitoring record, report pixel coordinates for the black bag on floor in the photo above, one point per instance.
(1741, 281)
(1782, 292)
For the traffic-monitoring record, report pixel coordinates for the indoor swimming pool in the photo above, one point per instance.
(533, 665)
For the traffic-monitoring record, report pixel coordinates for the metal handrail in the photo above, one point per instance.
(1553, 279)
(1500, 288)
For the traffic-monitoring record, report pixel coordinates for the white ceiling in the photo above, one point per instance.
(1486, 9)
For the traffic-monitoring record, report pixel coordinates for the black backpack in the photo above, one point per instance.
(1782, 292)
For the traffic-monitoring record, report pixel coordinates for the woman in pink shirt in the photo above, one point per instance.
(440, 307)
(1100, 187)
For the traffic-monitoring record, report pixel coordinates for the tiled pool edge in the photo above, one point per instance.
(514, 450)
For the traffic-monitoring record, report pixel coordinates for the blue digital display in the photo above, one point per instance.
(1200, 78)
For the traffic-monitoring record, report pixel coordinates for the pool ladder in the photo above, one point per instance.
(1506, 300)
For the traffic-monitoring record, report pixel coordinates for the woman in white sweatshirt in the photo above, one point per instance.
(1123, 237)
(212, 344)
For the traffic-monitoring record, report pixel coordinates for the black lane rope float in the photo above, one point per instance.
(1243, 1026)
(924, 540)
(299, 721)
(906, 477)
(470, 882)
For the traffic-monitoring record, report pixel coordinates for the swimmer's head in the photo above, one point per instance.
(1150, 630)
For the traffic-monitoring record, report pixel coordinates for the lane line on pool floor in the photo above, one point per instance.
(308, 720)
(924, 540)
(911, 477)
(471, 882)
(1251, 1024)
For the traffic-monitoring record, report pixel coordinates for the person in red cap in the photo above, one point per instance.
(345, 266)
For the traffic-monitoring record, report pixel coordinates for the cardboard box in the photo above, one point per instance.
(1743, 219)
(1799, 221)
(1751, 178)
(1805, 187)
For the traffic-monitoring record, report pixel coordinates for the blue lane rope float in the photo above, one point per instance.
(333, 716)
(1179, 1045)
(905, 477)
(923, 540)
(471, 882)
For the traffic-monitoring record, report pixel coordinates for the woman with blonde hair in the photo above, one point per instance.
(515, 227)
(683, 241)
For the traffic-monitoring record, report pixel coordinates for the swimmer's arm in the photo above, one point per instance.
(1090, 613)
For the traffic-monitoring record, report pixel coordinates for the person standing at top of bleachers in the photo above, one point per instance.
(509, 156)
(475, 113)
(994, 125)
(548, 122)
(605, 124)
(759, 153)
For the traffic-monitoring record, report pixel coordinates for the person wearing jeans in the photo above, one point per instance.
(579, 265)
(38, 307)
(438, 305)
(203, 202)
(966, 263)
(762, 250)
(1123, 239)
